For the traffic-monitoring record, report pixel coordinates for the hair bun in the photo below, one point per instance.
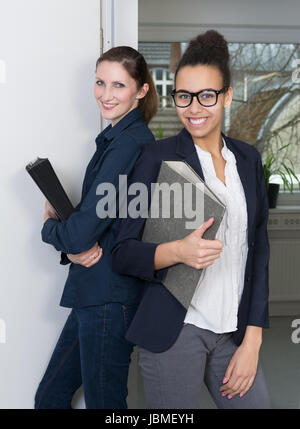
(210, 40)
(209, 48)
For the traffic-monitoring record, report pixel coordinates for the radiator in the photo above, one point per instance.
(284, 268)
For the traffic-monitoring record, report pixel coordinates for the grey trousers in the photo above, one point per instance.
(173, 379)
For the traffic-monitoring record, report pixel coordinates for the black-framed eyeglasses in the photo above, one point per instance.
(206, 97)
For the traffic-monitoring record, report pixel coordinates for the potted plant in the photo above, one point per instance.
(158, 132)
(283, 170)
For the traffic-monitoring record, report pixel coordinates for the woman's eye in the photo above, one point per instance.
(119, 85)
(183, 96)
(99, 82)
(207, 95)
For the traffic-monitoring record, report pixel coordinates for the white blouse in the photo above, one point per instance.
(216, 299)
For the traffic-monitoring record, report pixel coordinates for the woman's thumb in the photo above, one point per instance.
(202, 228)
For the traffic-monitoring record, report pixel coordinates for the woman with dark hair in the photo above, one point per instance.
(218, 338)
(92, 350)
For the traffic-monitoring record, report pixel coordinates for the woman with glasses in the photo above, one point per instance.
(218, 338)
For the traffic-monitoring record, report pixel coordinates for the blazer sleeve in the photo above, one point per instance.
(64, 260)
(259, 312)
(84, 228)
(130, 255)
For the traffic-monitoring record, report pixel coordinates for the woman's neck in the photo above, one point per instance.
(211, 144)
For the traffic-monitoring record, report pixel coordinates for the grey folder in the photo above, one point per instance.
(181, 280)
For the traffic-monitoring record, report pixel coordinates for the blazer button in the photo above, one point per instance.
(252, 243)
(248, 279)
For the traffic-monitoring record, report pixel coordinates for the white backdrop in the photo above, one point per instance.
(48, 52)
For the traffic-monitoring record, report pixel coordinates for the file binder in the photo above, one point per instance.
(180, 279)
(46, 179)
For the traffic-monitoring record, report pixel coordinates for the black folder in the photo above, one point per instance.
(46, 179)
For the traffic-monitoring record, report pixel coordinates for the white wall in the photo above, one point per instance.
(239, 20)
(48, 51)
(126, 23)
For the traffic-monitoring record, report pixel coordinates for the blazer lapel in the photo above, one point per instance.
(185, 149)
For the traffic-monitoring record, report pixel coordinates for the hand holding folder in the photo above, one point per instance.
(181, 279)
(46, 179)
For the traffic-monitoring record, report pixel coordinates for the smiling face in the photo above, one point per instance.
(116, 91)
(203, 123)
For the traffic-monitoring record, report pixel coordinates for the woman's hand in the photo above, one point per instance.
(88, 258)
(242, 368)
(197, 252)
(50, 213)
(192, 250)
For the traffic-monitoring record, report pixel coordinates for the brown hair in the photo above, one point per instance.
(136, 66)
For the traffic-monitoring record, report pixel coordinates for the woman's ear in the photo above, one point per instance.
(143, 91)
(228, 97)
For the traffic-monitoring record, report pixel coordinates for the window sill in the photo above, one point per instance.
(288, 199)
(293, 208)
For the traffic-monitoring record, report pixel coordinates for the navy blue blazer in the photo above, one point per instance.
(160, 316)
(117, 150)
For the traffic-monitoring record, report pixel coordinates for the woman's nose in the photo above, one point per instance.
(195, 107)
(106, 94)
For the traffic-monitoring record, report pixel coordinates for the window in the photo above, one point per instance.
(163, 80)
(265, 111)
(266, 106)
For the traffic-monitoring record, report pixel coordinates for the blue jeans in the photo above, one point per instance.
(91, 351)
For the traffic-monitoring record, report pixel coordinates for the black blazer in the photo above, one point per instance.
(117, 149)
(160, 316)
